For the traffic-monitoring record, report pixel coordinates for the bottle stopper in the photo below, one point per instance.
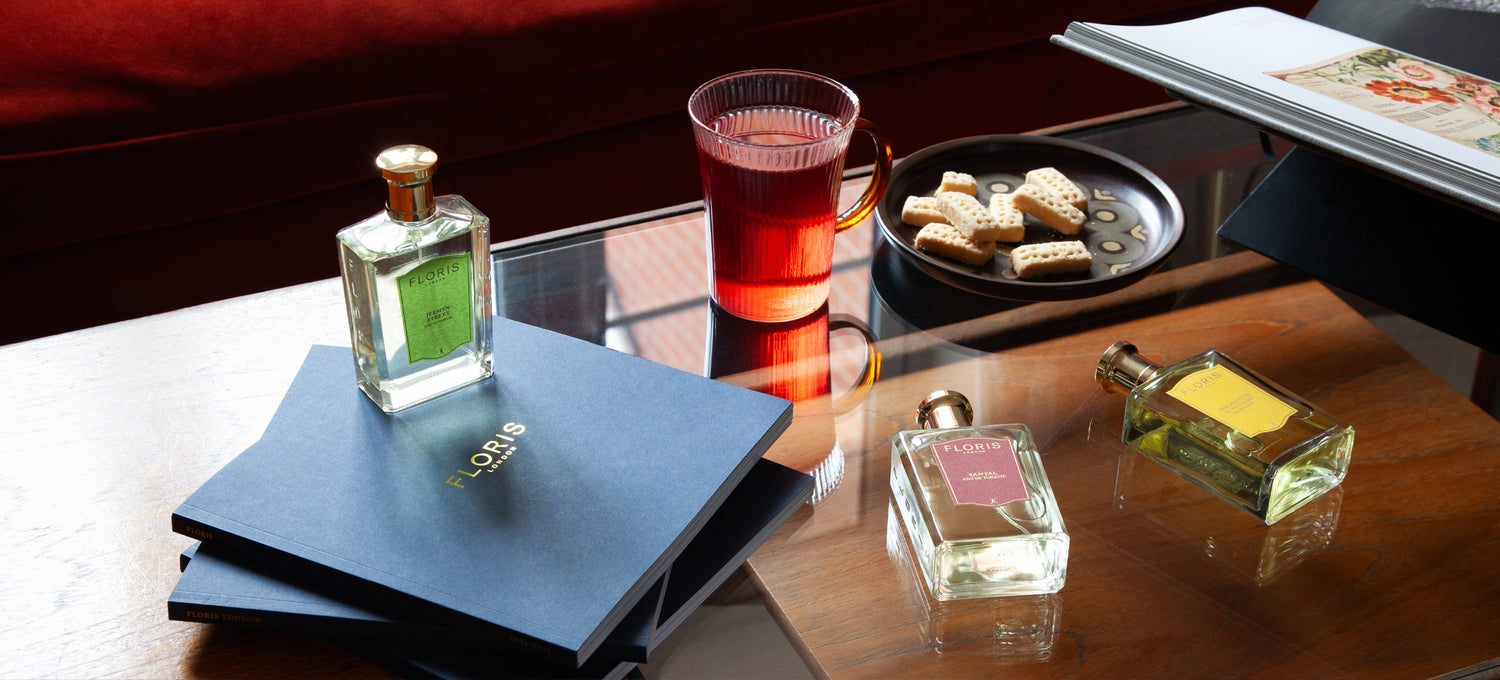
(944, 409)
(1122, 367)
(407, 170)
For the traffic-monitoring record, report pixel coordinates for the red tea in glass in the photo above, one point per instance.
(771, 150)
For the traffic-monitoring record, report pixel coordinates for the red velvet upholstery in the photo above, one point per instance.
(189, 150)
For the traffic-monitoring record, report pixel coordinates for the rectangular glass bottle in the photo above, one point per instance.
(1229, 430)
(977, 505)
(417, 287)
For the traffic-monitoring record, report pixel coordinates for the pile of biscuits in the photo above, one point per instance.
(955, 225)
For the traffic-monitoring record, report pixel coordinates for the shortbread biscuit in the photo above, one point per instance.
(946, 240)
(1042, 259)
(1059, 185)
(969, 215)
(959, 181)
(919, 211)
(1009, 218)
(1050, 209)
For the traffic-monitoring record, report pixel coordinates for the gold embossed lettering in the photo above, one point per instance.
(492, 453)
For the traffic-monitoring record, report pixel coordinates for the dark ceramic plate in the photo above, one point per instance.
(1134, 219)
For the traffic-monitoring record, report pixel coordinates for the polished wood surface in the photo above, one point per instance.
(1393, 575)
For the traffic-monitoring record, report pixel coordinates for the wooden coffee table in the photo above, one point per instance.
(1392, 575)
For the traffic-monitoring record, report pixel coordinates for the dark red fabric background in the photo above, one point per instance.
(174, 136)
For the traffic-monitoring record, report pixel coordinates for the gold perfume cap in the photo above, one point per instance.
(944, 409)
(1121, 369)
(407, 170)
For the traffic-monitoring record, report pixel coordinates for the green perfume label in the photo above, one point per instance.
(1232, 400)
(437, 308)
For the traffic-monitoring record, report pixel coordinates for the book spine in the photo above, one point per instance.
(495, 634)
(197, 612)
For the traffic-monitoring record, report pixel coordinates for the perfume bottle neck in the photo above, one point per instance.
(1121, 369)
(410, 201)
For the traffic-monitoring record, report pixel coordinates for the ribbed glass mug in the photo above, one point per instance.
(771, 147)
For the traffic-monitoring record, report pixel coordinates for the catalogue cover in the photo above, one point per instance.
(536, 508)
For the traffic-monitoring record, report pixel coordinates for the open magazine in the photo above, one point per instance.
(1406, 116)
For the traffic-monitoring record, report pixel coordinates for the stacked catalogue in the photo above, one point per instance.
(557, 519)
(1404, 116)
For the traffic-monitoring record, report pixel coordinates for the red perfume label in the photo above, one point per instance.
(981, 470)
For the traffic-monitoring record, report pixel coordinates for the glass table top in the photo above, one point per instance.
(640, 285)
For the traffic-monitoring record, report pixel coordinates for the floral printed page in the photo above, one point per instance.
(1406, 89)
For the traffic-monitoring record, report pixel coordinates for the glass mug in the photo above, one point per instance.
(771, 148)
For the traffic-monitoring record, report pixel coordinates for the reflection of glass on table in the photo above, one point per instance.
(1185, 515)
(1019, 629)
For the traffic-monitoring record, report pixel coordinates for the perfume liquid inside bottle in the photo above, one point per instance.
(417, 287)
(977, 505)
(1229, 429)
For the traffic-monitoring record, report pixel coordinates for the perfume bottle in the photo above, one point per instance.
(417, 287)
(977, 505)
(1228, 429)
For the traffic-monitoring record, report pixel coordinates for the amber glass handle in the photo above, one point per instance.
(871, 372)
(878, 181)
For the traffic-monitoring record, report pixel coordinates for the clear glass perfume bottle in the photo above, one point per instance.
(977, 505)
(1228, 429)
(417, 288)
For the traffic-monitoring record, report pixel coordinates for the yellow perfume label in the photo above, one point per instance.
(1229, 398)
